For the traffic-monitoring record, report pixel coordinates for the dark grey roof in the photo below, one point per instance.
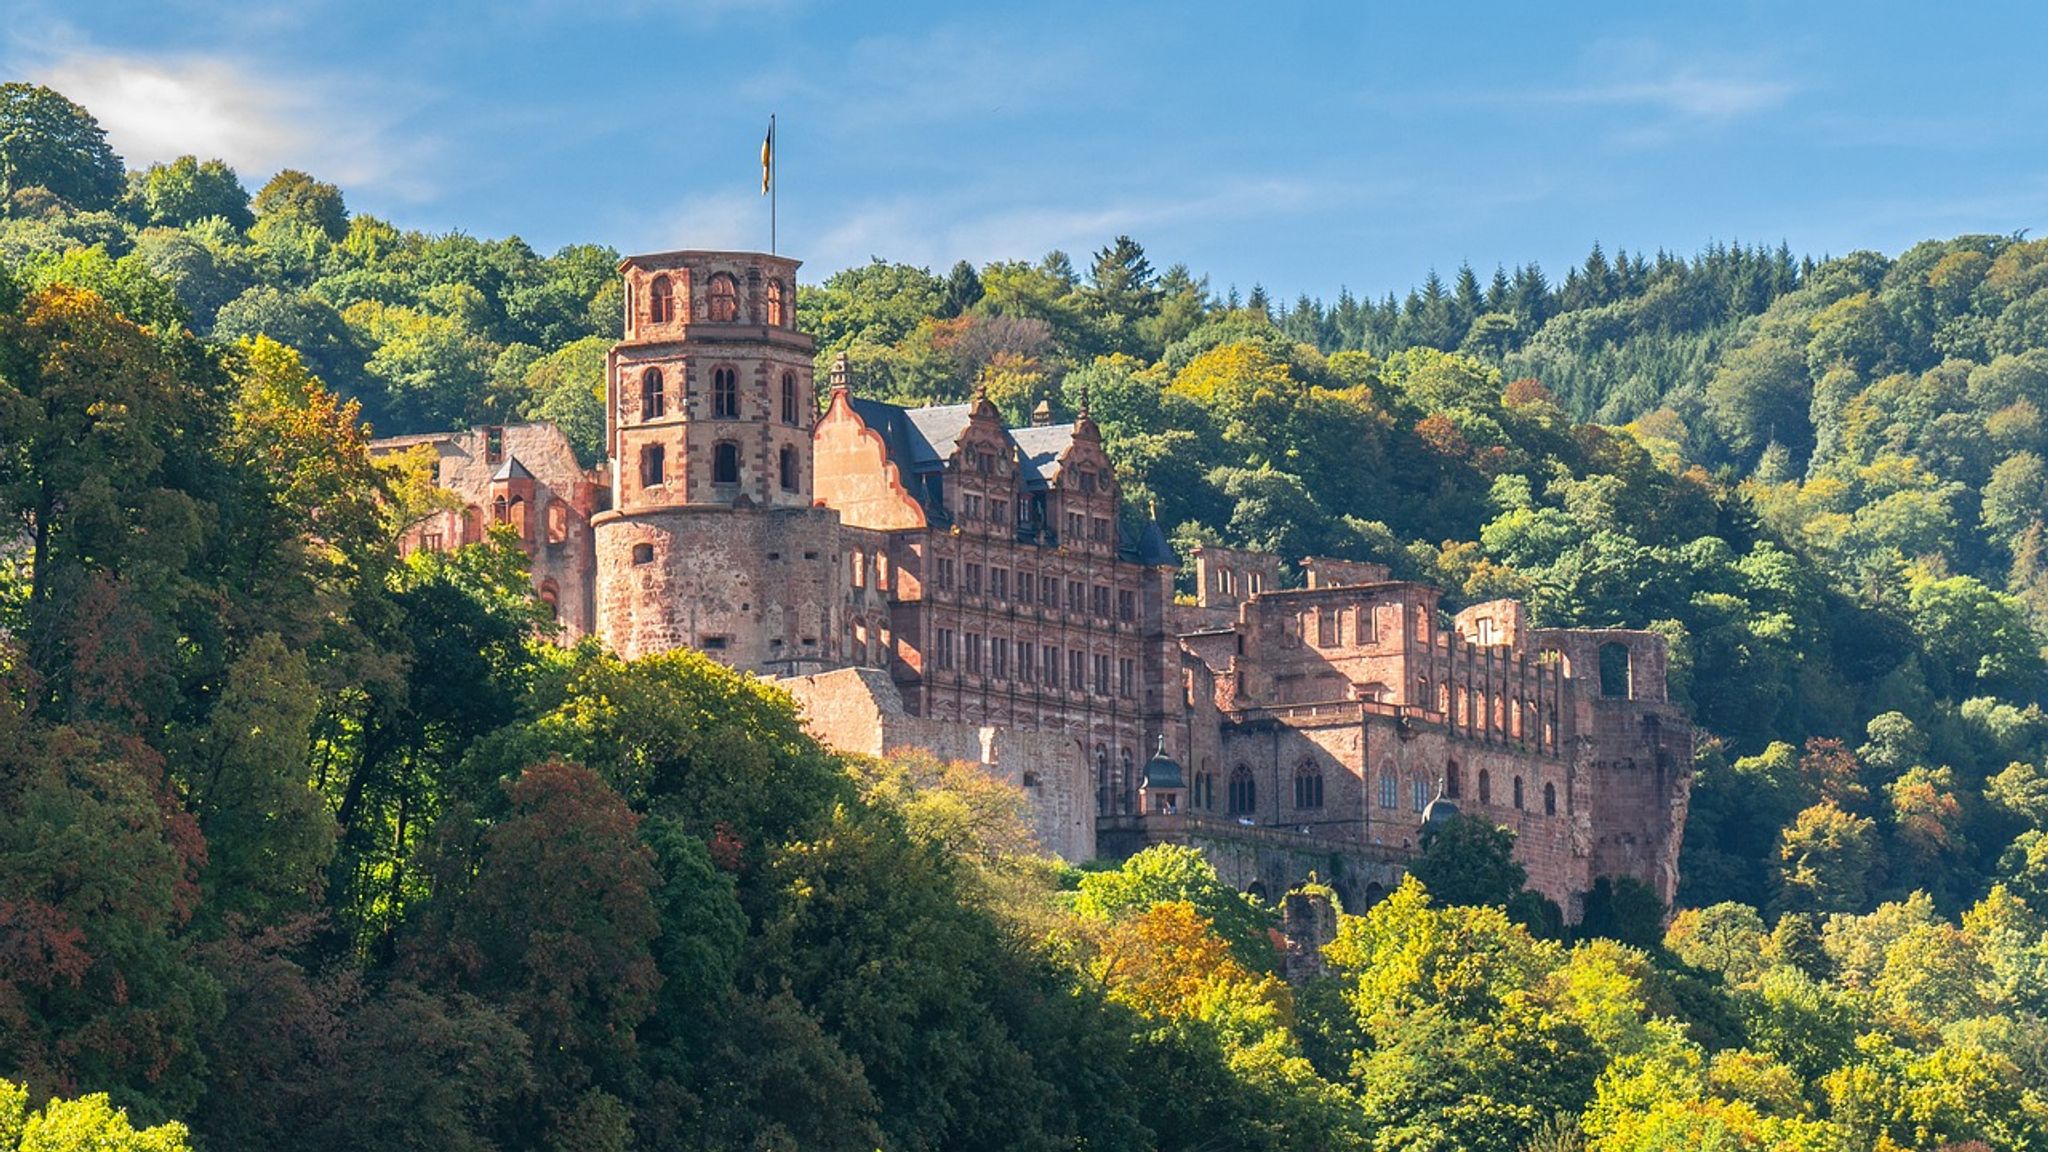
(906, 442)
(1153, 548)
(1040, 448)
(511, 469)
(941, 427)
(1162, 771)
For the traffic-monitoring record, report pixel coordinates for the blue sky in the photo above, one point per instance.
(1302, 147)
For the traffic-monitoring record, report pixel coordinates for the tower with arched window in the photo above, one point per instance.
(712, 540)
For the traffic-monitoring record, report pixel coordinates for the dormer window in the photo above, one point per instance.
(661, 300)
(724, 298)
(653, 404)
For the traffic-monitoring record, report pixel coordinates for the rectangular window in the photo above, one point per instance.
(1126, 605)
(1327, 634)
(1075, 521)
(1087, 482)
(1077, 597)
(1126, 677)
(944, 656)
(1101, 675)
(942, 576)
(858, 562)
(1099, 601)
(1389, 791)
(1024, 669)
(1051, 588)
(1418, 794)
(974, 653)
(1077, 670)
(430, 542)
(970, 507)
(1026, 594)
(1052, 666)
(999, 513)
(999, 658)
(974, 579)
(999, 583)
(1099, 530)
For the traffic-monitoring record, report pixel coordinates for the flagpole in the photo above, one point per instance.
(772, 189)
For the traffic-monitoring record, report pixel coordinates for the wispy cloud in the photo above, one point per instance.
(1690, 91)
(158, 107)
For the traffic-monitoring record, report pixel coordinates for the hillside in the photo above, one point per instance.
(302, 842)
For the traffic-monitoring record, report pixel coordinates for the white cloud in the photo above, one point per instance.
(1689, 92)
(156, 108)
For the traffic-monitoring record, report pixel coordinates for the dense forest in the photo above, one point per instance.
(304, 843)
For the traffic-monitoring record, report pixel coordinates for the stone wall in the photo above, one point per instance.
(859, 710)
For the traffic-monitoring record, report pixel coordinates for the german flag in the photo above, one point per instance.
(768, 158)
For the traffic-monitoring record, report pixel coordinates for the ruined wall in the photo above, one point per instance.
(859, 710)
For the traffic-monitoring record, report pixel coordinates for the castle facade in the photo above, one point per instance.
(929, 578)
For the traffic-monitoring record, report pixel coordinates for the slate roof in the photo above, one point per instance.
(511, 469)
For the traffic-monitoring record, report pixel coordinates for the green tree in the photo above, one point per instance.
(87, 1124)
(186, 191)
(48, 142)
(295, 196)
(1825, 858)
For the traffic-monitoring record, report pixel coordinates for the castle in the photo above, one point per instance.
(929, 578)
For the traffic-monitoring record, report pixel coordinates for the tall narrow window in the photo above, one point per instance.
(724, 298)
(1244, 792)
(1418, 793)
(725, 394)
(725, 462)
(1308, 787)
(789, 399)
(653, 466)
(1454, 780)
(500, 510)
(1518, 792)
(1389, 788)
(661, 300)
(653, 402)
(775, 303)
(1550, 799)
(788, 468)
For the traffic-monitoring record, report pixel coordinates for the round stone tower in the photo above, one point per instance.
(711, 540)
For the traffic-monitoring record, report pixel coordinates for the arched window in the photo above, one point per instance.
(643, 553)
(515, 515)
(1308, 786)
(725, 394)
(789, 405)
(558, 521)
(1418, 794)
(788, 468)
(653, 403)
(661, 300)
(724, 298)
(500, 512)
(725, 462)
(1127, 795)
(551, 596)
(1244, 792)
(1518, 792)
(1390, 788)
(1485, 787)
(1550, 799)
(1101, 780)
(1205, 790)
(653, 466)
(775, 303)
(1614, 670)
(1454, 780)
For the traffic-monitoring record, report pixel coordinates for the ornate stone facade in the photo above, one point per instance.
(928, 577)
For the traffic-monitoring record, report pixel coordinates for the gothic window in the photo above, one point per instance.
(788, 468)
(500, 512)
(661, 300)
(1102, 780)
(1244, 792)
(789, 405)
(775, 303)
(725, 394)
(653, 466)
(643, 553)
(1485, 787)
(1390, 789)
(1550, 799)
(1454, 780)
(1127, 801)
(1418, 793)
(1518, 792)
(725, 462)
(724, 298)
(1308, 786)
(1205, 791)
(653, 404)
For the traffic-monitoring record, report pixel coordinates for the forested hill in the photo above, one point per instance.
(304, 843)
